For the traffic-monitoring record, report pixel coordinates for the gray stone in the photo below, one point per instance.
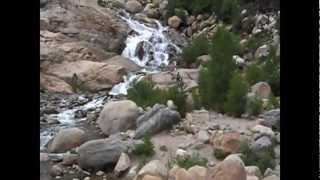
(272, 119)
(159, 118)
(262, 146)
(133, 6)
(98, 154)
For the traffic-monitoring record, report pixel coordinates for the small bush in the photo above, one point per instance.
(229, 10)
(144, 94)
(197, 47)
(145, 149)
(236, 97)
(251, 159)
(254, 74)
(272, 102)
(191, 161)
(179, 99)
(254, 106)
(214, 79)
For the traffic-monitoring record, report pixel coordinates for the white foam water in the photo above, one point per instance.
(148, 47)
(66, 119)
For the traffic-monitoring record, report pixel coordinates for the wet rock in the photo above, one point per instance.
(231, 168)
(118, 116)
(261, 89)
(151, 11)
(153, 168)
(124, 62)
(99, 154)
(174, 22)
(123, 163)
(156, 120)
(133, 6)
(67, 139)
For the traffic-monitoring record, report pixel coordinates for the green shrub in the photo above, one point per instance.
(250, 158)
(254, 106)
(214, 79)
(254, 74)
(272, 102)
(144, 94)
(237, 96)
(188, 162)
(179, 99)
(196, 48)
(145, 149)
(229, 10)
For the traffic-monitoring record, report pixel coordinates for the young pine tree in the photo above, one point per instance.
(236, 97)
(214, 79)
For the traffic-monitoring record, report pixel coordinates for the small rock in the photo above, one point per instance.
(261, 89)
(99, 173)
(154, 168)
(262, 51)
(133, 6)
(204, 59)
(263, 130)
(123, 163)
(44, 157)
(86, 178)
(171, 105)
(174, 22)
(253, 171)
(56, 170)
(180, 153)
(203, 136)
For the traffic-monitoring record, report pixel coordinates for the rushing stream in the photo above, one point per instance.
(147, 46)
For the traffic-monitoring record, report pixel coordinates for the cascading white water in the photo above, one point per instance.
(148, 47)
(67, 119)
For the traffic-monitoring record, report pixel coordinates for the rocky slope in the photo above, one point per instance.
(89, 130)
